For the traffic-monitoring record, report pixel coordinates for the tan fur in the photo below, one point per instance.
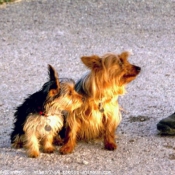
(35, 132)
(99, 115)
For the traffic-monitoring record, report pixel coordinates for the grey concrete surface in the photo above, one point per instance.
(34, 33)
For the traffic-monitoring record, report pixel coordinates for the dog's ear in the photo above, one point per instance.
(53, 75)
(93, 62)
(124, 55)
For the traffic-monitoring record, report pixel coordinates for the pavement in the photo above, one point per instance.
(35, 33)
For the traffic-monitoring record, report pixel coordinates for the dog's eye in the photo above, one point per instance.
(121, 61)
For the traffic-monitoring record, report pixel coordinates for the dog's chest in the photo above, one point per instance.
(53, 122)
(43, 125)
(93, 122)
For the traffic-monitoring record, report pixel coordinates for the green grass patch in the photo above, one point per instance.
(6, 1)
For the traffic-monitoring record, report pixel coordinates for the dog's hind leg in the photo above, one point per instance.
(17, 141)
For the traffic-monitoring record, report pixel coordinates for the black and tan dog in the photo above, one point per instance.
(39, 119)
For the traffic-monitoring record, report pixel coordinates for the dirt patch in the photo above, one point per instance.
(138, 118)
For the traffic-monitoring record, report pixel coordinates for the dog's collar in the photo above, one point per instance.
(42, 113)
(46, 115)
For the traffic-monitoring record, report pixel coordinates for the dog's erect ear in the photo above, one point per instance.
(124, 55)
(53, 75)
(93, 62)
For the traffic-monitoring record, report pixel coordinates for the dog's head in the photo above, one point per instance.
(61, 94)
(69, 99)
(110, 71)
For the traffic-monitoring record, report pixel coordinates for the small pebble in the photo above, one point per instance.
(142, 119)
(85, 162)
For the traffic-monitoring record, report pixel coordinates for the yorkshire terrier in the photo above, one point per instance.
(39, 119)
(99, 115)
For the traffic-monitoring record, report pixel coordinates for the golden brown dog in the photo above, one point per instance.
(99, 115)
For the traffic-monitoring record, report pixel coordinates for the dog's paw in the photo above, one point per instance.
(33, 154)
(110, 146)
(66, 149)
(49, 150)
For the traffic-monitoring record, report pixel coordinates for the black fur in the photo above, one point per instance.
(79, 86)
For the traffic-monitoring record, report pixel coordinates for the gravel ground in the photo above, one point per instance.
(34, 33)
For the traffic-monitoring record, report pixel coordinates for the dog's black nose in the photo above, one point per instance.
(138, 68)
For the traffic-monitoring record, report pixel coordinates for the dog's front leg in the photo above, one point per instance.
(109, 135)
(48, 144)
(32, 145)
